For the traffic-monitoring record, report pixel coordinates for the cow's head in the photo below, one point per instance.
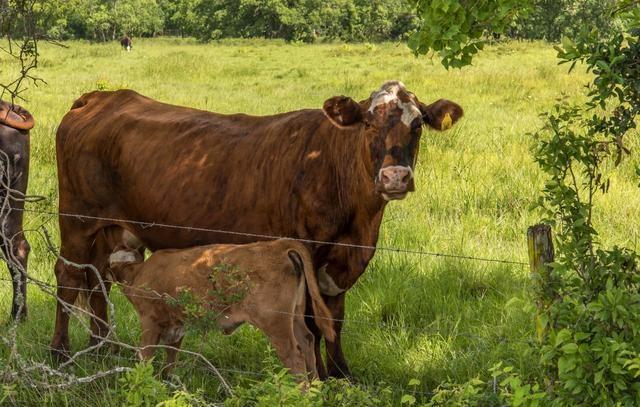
(392, 118)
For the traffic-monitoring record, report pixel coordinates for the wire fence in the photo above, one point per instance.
(21, 366)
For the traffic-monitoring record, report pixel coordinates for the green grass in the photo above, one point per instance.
(410, 316)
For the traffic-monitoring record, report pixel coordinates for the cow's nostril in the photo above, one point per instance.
(406, 178)
(385, 178)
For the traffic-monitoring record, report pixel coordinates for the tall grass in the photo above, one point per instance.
(410, 316)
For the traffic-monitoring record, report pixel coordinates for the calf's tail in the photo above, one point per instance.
(321, 314)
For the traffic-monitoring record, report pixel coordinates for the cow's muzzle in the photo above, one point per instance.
(395, 181)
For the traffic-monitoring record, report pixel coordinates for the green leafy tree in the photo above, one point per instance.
(552, 19)
(457, 29)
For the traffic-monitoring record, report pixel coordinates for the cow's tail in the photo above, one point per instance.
(301, 258)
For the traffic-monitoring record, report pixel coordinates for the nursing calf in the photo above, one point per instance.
(263, 284)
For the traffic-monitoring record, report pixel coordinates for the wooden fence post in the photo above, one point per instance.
(540, 249)
(540, 243)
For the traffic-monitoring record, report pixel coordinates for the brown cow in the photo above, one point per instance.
(319, 174)
(15, 123)
(126, 43)
(260, 283)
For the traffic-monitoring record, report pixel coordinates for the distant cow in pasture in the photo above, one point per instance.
(322, 175)
(261, 283)
(15, 123)
(126, 43)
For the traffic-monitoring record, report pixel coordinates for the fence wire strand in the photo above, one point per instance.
(146, 225)
(19, 368)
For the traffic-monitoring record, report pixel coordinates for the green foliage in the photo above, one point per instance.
(304, 20)
(455, 29)
(141, 388)
(100, 20)
(592, 299)
(552, 19)
(281, 389)
(292, 20)
(229, 285)
(506, 387)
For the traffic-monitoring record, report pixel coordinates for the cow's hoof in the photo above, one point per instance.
(341, 372)
(59, 354)
(15, 317)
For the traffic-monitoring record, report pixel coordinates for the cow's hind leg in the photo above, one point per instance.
(15, 249)
(105, 240)
(71, 276)
(70, 281)
(336, 362)
(14, 157)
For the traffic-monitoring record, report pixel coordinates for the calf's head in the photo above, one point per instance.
(392, 120)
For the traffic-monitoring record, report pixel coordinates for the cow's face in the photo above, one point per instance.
(392, 119)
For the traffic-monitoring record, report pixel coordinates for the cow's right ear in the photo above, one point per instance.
(342, 111)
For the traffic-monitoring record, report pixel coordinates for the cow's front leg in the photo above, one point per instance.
(336, 363)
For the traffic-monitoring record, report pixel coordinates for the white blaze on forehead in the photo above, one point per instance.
(387, 93)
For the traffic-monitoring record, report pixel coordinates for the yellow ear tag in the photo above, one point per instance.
(446, 122)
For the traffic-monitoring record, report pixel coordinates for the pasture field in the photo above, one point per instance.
(410, 316)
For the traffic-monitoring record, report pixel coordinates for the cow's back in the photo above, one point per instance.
(125, 156)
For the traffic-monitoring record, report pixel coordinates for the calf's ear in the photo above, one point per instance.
(441, 114)
(342, 111)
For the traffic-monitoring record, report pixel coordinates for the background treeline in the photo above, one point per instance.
(292, 20)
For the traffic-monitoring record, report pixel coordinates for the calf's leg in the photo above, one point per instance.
(172, 355)
(280, 332)
(150, 337)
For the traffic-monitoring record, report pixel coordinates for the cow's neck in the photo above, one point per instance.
(354, 168)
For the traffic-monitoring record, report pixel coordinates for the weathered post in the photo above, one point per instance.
(541, 254)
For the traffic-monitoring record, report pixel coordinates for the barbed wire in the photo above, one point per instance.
(146, 225)
(19, 369)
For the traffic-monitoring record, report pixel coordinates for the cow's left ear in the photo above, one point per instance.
(342, 111)
(442, 114)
